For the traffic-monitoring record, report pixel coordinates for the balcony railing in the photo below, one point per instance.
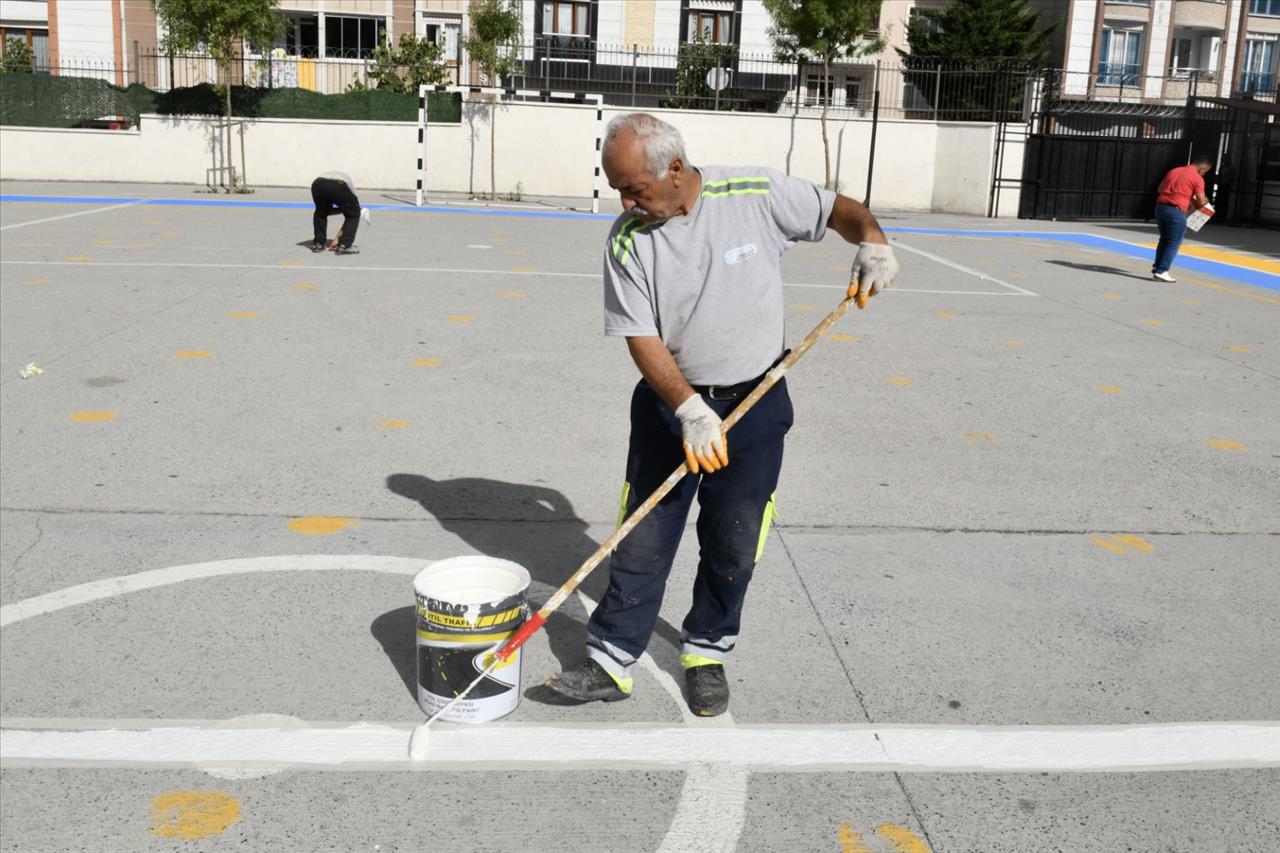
(1257, 83)
(1118, 74)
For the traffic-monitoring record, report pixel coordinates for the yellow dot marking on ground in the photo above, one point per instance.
(426, 362)
(392, 423)
(898, 380)
(901, 839)
(1112, 296)
(172, 235)
(516, 253)
(193, 353)
(1013, 344)
(303, 288)
(142, 245)
(1102, 543)
(1122, 543)
(850, 841)
(819, 255)
(978, 437)
(1017, 275)
(511, 294)
(837, 336)
(525, 269)
(1110, 389)
(1238, 349)
(1225, 444)
(36, 282)
(242, 315)
(190, 815)
(319, 525)
(801, 307)
(460, 318)
(79, 258)
(92, 417)
(104, 242)
(944, 314)
(837, 268)
(1153, 322)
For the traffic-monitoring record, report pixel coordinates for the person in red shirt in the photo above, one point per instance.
(1180, 190)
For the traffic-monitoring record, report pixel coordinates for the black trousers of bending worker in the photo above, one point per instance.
(332, 197)
(736, 505)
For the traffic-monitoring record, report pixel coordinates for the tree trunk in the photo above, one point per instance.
(231, 169)
(826, 97)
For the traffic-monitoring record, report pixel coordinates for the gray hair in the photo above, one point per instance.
(660, 141)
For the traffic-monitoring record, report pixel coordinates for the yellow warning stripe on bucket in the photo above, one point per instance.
(450, 620)
(464, 638)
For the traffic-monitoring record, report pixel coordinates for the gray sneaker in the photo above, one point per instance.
(587, 682)
(708, 688)
(346, 250)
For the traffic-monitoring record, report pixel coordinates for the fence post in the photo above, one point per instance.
(717, 79)
(137, 62)
(875, 123)
(635, 59)
(937, 91)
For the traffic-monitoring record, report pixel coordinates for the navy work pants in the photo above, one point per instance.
(1172, 223)
(332, 197)
(732, 524)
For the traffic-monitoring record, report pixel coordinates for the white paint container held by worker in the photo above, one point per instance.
(466, 606)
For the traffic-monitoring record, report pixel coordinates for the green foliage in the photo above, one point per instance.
(980, 31)
(17, 57)
(694, 62)
(41, 100)
(414, 62)
(822, 30)
(497, 26)
(219, 27)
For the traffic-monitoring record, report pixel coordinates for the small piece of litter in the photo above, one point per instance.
(30, 370)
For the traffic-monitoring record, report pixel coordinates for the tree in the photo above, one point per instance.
(496, 26)
(980, 45)
(223, 28)
(695, 61)
(17, 57)
(823, 31)
(421, 59)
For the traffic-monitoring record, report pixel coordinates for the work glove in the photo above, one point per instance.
(874, 269)
(705, 446)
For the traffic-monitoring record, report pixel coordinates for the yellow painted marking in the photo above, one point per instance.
(392, 423)
(92, 417)
(525, 269)
(36, 282)
(1137, 543)
(142, 245)
(978, 437)
(1017, 275)
(797, 306)
(837, 268)
(243, 315)
(152, 222)
(303, 288)
(819, 255)
(206, 221)
(79, 258)
(944, 314)
(1241, 293)
(1153, 322)
(836, 336)
(902, 839)
(104, 242)
(460, 318)
(193, 353)
(1188, 301)
(511, 294)
(1102, 543)
(1112, 296)
(898, 380)
(1013, 344)
(292, 262)
(190, 815)
(516, 253)
(850, 841)
(1227, 257)
(426, 362)
(172, 235)
(1238, 349)
(1225, 444)
(319, 525)
(1109, 389)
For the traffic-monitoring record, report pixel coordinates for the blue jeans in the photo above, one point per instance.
(732, 523)
(1172, 223)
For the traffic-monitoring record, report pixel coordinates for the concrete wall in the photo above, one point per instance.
(918, 165)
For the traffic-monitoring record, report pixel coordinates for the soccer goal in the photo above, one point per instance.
(584, 98)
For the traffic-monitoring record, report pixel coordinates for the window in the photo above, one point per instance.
(351, 37)
(714, 26)
(817, 90)
(37, 40)
(562, 18)
(1259, 72)
(1120, 62)
(917, 18)
(1264, 7)
(444, 32)
(302, 36)
(853, 94)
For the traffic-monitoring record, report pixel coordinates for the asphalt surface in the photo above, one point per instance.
(1029, 487)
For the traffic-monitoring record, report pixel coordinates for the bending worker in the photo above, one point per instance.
(692, 280)
(1181, 190)
(333, 193)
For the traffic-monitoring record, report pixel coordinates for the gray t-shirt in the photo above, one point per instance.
(710, 283)
(340, 176)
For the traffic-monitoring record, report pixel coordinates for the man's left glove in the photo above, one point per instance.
(705, 447)
(874, 269)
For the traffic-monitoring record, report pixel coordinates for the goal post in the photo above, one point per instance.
(581, 98)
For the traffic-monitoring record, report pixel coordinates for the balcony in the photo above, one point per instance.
(1200, 13)
(1256, 83)
(1118, 74)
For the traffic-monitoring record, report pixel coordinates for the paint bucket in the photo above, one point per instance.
(466, 607)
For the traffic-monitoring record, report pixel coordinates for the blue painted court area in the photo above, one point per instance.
(1232, 272)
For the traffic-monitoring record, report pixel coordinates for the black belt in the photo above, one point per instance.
(738, 391)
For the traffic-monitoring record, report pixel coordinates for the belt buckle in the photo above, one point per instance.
(711, 392)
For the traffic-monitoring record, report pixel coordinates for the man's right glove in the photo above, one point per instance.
(705, 446)
(874, 268)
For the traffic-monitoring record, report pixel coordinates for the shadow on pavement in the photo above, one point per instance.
(1101, 268)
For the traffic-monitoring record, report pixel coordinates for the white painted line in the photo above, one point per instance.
(896, 289)
(68, 215)
(478, 246)
(295, 269)
(711, 811)
(962, 268)
(853, 748)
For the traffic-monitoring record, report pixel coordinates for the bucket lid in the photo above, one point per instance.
(473, 579)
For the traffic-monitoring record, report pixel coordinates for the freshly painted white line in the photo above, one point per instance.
(711, 811)
(962, 268)
(295, 269)
(478, 246)
(67, 215)
(869, 748)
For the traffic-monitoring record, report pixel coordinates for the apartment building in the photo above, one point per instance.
(1161, 51)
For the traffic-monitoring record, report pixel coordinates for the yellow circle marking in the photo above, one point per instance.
(426, 362)
(36, 282)
(142, 245)
(525, 269)
(92, 417)
(78, 258)
(979, 437)
(1017, 275)
(1238, 349)
(836, 336)
(172, 235)
(242, 315)
(1124, 543)
(819, 255)
(190, 815)
(898, 380)
(303, 288)
(193, 353)
(944, 314)
(1109, 389)
(319, 525)
(902, 839)
(460, 318)
(1153, 322)
(797, 306)
(1112, 296)
(511, 294)
(1225, 444)
(392, 423)
(1013, 344)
